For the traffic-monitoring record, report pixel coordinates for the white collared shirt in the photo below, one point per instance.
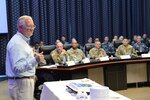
(20, 60)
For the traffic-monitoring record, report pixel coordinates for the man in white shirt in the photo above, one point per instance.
(21, 61)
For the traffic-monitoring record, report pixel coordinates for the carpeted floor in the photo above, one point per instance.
(142, 93)
(133, 93)
(4, 95)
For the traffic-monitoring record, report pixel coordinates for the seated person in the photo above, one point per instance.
(107, 46)
(96, 39)
(115, 37)
(139, 46)
(125, 49)
(146, 40)
(134, 40)
(97, 51)
(36, 47)
(59, 53)
(90, 40)
(41, 43)
(121, 38)
(63, 40)
(74, 53)
(57, 41)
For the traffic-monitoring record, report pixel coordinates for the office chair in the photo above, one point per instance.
(67, 46)
(88, 47)
(47, 49)
(117, 43)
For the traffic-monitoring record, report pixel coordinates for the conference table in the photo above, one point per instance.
(115, 71)
(58, 91)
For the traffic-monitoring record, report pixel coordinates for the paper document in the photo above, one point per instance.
(49, 66)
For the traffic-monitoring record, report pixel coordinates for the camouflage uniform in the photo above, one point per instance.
(97, 52)
(140, 47)
(75, 54)
(108, 47)
(57, 57)
(125, 50)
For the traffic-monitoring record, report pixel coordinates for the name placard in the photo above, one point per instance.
(86, 60)
(104, 58)
(70, 63)
(49, 66)
(125, 57)
(145, 55)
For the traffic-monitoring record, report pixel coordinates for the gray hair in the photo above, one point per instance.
(59, 43)
(22, 20)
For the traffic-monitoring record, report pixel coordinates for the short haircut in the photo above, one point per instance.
(59, 43)
(98, 42)
(74, 40)
(138, 36)
(125, 38)
(22, 19)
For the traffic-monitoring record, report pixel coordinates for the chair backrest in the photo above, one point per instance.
(67, 46)
(47, 49)
(88, 46)
(117, 43)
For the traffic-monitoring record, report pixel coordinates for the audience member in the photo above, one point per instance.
(36, 47)
(121, 38)
(115, 37)
(108, 47)
(90, 40)
(63, 40)
(97, 51)
(125, 49)
(59, 53)
(57, 41)
(134, 40)
(96, 40)
(41, 43)
(75, 53)
(146, 40)
(139, 46)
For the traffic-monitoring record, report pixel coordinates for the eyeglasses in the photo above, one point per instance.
(30, 27)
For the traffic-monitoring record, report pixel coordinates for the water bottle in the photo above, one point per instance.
(149, 50)
(75, 60)
(84, 95)
(64, 60)
(78, 96)
(140, 49)
(68, 58)
(81, 95)
(111, 57)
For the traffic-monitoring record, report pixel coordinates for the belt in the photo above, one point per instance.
(25, 77)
